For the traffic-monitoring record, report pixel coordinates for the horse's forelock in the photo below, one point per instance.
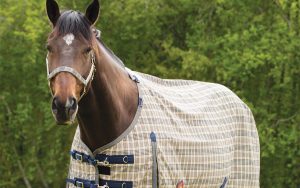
(73, 22)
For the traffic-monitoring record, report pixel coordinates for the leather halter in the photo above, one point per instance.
(75, 73)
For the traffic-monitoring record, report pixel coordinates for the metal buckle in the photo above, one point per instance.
(103, 186)
(103, 163)
(79, 184)
(125, 160)
(93, 58)
(78, 156)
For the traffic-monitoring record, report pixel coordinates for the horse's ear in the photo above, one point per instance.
(92, 12)
(52, 11)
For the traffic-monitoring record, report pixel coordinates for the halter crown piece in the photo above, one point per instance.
(75, 73)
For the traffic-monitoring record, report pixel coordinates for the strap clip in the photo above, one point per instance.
(103, 163)
(78, 156)
(79, 184)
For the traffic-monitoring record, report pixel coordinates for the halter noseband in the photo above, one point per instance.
(75, 73)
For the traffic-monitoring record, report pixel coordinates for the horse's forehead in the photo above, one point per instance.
(68, 38)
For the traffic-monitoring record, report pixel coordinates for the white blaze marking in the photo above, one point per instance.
(69, 38)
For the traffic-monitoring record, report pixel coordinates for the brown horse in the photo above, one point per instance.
(189, 133)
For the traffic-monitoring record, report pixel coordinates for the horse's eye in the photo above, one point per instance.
(49, 48)
(87, 50)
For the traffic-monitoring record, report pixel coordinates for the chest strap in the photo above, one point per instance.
(82, 183)
(102, 159)
(102, 183)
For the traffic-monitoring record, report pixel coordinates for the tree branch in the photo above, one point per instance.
(285, 119)
(21, 168)
(282, 13)
(19, 163)
(41, 174)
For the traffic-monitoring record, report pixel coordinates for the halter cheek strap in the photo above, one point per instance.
(75, 73)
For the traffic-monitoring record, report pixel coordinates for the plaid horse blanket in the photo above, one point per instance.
(198, 132)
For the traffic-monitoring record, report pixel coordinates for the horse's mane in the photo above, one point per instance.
(76, 23)
(119, 61)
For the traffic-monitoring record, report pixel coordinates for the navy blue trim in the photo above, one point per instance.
(104, 170)
(154, 161)
(82, 183)
(78, 182)
(116, 184)
(140, 102)
(102, 158)
(83, 157)
(153, 137)
(224, 183)
(115, 159)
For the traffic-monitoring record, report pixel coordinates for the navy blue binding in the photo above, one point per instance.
(154, 160)
(115, 159)
(116, 184)
(140, 102)
(224, 183)
(83, 157)
(102, 159)
(92, 184)
(82, 183)
(105, 170)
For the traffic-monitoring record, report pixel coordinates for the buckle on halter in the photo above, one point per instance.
(79, 184)
(78, 156)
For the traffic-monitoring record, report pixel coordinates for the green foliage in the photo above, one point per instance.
(251, 46)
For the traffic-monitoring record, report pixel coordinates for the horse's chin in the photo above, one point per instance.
(67, 123)
(70, 121)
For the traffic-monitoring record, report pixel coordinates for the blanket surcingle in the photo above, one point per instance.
(198, 132)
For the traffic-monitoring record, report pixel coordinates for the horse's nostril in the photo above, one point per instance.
(74, 103)
(54, 105)
(64, 110)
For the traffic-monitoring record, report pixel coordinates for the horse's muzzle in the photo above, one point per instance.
(64, 112)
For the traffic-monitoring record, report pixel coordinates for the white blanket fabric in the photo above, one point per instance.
(204, 134)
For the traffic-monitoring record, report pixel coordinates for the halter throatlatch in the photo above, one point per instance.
(75, 73)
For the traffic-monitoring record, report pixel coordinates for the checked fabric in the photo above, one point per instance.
(198, 132)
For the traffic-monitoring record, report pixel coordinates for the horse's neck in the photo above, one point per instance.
(110, 104)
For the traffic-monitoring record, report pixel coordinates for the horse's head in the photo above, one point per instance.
(70, 59)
